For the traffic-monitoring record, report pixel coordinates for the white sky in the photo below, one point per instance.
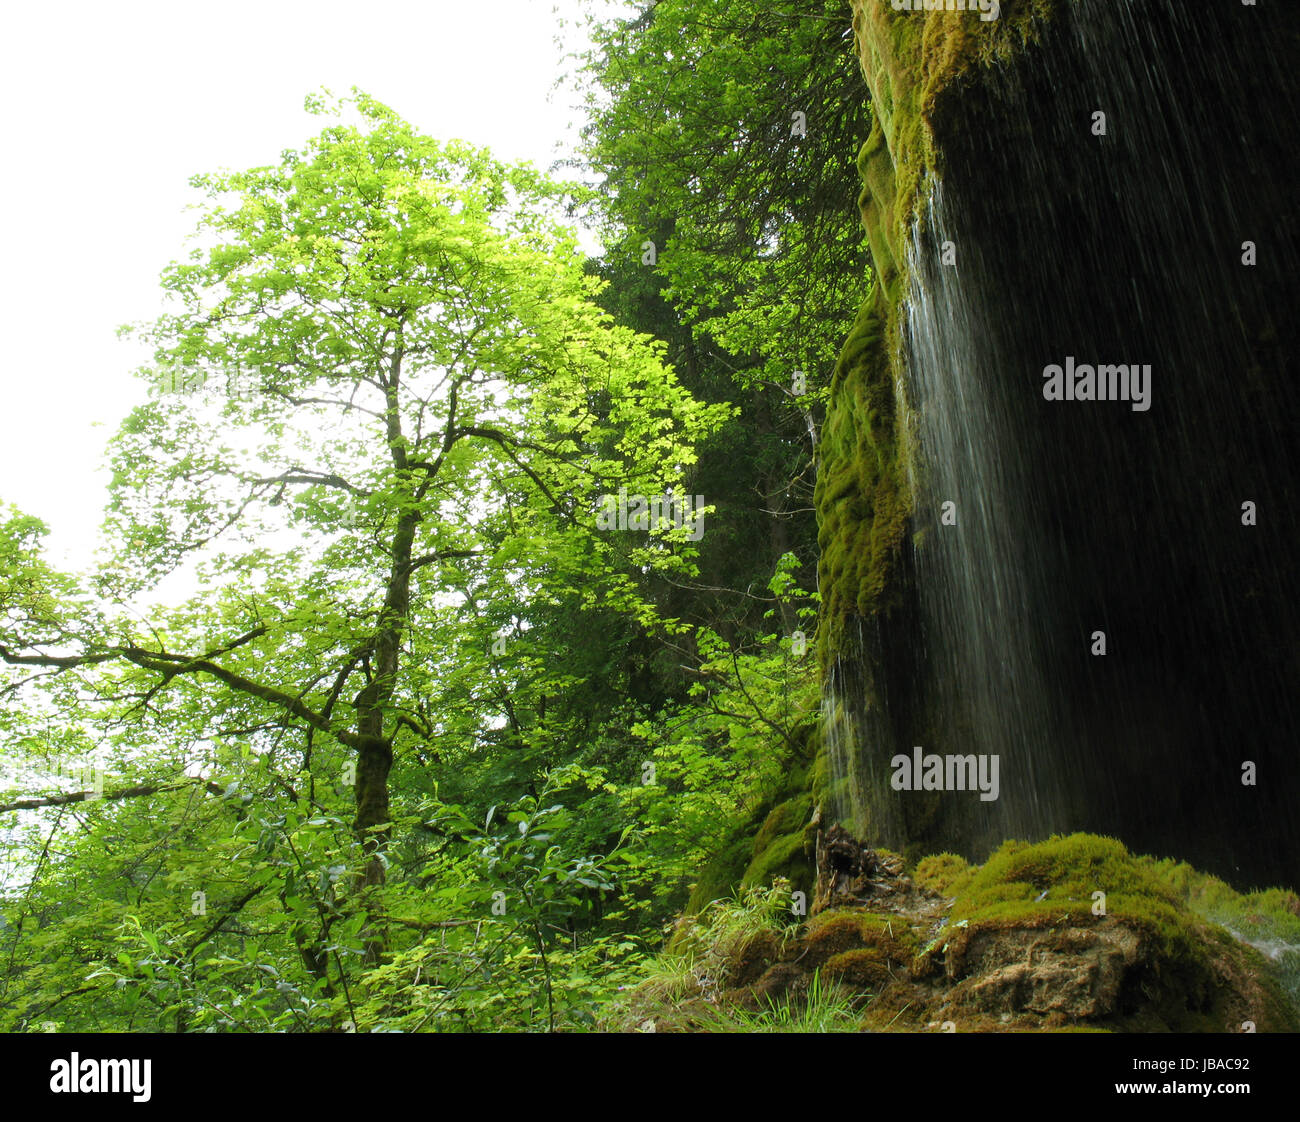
(110, 108)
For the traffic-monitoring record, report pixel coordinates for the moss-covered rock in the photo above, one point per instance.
(777, 840)
(866, 968)
(1076, 925)
(724, 869)
(1019, 944)
(834, 933)
(945, 873)
(785, 846)
(1268, 920)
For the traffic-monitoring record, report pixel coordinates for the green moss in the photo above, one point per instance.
(776, 840)
(723, 871)
(785, 856)
(785, 846)
(1052, 888)
(944, 873)
(1066, 872)
(866, 967)
(841, 930)
(862, 499)
(821, 779)
(1267, 920)
(786, 819)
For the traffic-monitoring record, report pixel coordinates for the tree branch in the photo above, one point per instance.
(110, 796)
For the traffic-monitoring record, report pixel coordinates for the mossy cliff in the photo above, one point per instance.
(915, 65)
(1098, 168)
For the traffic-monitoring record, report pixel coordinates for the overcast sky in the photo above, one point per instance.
(112, 107)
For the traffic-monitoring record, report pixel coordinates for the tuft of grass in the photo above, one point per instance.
(825, 1008)
(722, 930)
(669, 979)
(711, 949)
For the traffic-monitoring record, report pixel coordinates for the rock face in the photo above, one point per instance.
(1028, 942)
(1071, 183)
(1078, 974)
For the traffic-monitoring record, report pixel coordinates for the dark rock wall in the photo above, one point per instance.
(1073, 517)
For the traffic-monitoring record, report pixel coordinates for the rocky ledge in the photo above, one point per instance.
(1071, 934)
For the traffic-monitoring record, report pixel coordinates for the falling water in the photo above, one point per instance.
(978, 592)
(1047, 240)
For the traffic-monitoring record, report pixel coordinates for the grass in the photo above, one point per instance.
(825, 1008)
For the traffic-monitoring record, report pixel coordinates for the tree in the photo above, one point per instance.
(722, 133)
(385, 384)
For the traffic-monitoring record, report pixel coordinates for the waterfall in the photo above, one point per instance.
(978, 590)
(1094, 208)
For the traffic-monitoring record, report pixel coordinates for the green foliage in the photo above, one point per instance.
(697, 135)
(719, 757)
(431, 750)
(547, 940)
(411, 406)
(695, 147)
